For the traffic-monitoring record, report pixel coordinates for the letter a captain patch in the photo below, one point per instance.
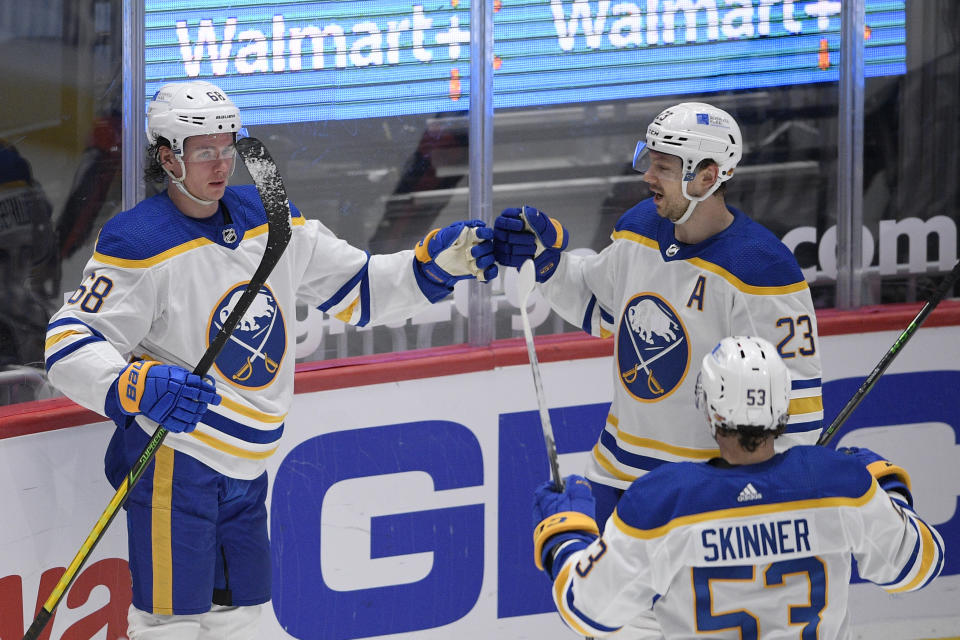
(696, 297)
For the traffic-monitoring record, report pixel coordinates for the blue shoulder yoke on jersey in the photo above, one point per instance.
(750, 251)
(690, 489)
(155, 225)
(746, 249)
(246, 208)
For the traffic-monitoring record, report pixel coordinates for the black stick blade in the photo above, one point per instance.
(269, 185)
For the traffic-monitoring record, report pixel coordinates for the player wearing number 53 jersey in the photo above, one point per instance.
(682, 271)
(753, 544)
(162, 281)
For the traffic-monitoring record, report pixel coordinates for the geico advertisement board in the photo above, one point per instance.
(403, 509)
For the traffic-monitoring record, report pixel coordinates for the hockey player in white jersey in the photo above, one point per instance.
(163, 277)
(753, 544)
(682, 271)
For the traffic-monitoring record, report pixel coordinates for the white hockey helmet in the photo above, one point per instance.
(743, 382)
(694, 132)
(183, 109)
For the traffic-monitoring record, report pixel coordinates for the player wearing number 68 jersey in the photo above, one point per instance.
(753, 544)
(683, 270)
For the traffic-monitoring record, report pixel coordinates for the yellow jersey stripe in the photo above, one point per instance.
(346, 314)
(717, 269)
(606, 464)
(256, 231)
(558, 589)
(636, 237)
(179, 249)
(250, 413)
(160, 523)
(743, 286)
(154, 260)
(684, 452)
(799, 406)
(52, 340)
(926, 560)
(263, 228)
(741, 512)
(220, 445)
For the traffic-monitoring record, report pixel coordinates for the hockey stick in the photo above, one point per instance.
(270, 187)
(888, 357)
(526, 281)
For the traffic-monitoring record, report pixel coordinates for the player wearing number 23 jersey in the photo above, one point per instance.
(666, 307)
(683, 270)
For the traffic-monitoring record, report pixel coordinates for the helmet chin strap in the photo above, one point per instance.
(179, 182)
(694, 201)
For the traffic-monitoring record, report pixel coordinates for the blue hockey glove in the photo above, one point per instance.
(456, 252)
(169, 395)
(521, 234)
(890, 477)
(559, 518)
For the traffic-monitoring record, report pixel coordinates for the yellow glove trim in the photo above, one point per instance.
(560, 523)
(882, 468)
(131, 383)
(421, 251)
(559, 229)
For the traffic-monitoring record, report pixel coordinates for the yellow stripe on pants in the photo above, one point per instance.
(160, 531)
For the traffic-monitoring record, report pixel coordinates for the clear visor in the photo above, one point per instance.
(210, 154)
(641, 157)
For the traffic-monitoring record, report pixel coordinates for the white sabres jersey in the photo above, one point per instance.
(667, 304)
(160, 285)
(741, 553)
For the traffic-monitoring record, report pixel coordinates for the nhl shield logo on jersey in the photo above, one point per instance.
(653, 351)
(229, 235)
(253, 353)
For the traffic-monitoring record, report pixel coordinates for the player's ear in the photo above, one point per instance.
(168, 160)
(708, 174)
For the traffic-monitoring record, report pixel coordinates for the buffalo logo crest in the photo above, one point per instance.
(652, 348)
(253, 352)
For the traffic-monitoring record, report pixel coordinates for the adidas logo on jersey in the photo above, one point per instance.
(749, 493)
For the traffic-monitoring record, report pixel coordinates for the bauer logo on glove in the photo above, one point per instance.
(169, 395)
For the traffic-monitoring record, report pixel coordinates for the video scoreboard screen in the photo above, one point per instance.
(329, 60)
